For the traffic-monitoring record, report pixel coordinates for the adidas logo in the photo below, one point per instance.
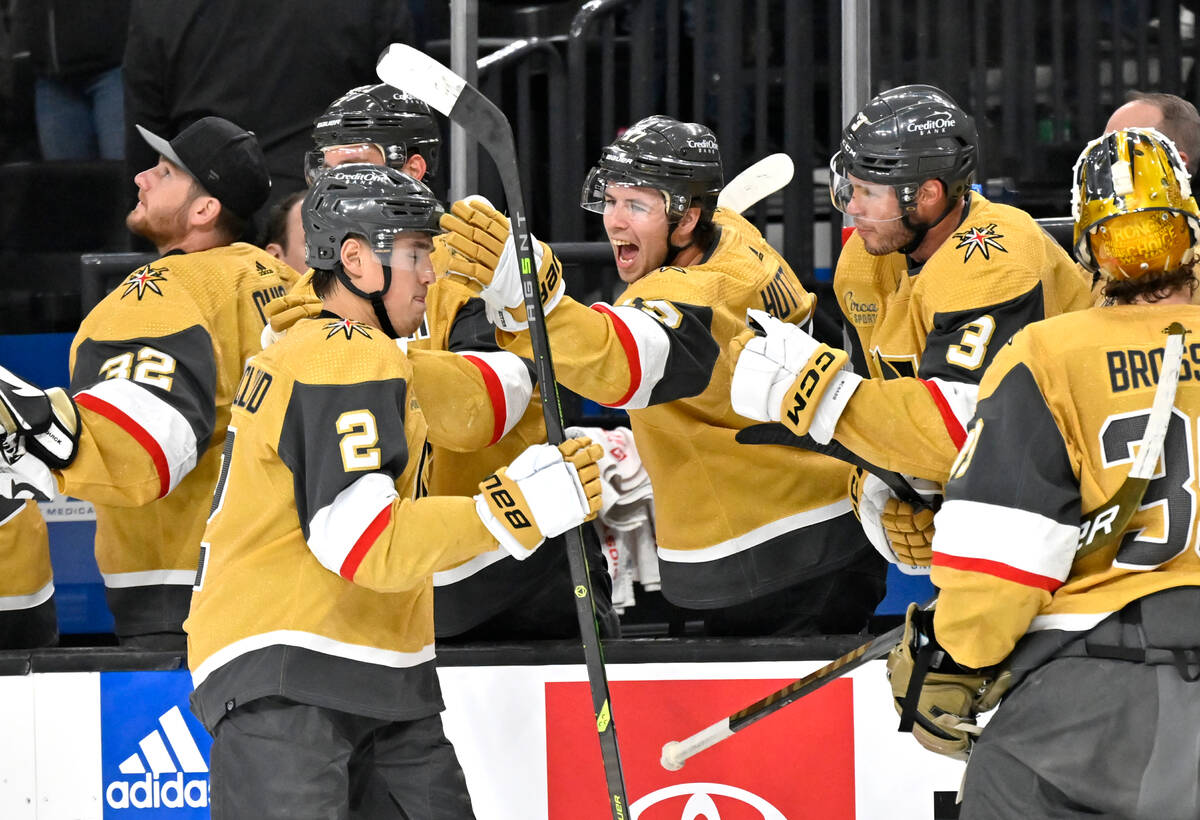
(162, 783)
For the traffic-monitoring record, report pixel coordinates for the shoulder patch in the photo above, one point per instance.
(346, 326)
(144, 279)
(982, 239)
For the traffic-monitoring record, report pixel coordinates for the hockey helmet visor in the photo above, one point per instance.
(861, 199)
(605, 190)
(1135, 215)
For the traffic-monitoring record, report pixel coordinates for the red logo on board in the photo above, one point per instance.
(796, 763)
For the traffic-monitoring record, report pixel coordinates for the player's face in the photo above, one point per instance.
(164, 194)
(412, 274)
(875, 209)
(636, 222)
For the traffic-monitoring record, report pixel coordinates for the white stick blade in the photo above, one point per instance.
(416, 73)
(757, 182)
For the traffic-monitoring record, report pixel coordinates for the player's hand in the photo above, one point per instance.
(949, 697)
(909, 531)
(47, 421)
(544, 492)
(285, 311)
(885, 524)
(21, 474)
(781, 373)
(484, 257)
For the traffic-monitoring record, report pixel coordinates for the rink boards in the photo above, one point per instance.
(124, 744)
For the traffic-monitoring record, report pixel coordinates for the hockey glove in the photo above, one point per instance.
(899, 534)
(544, 492)
(935, 697)
(46, 420)
(484, 256)
(285, 311)
(23, 475)
(781, 373)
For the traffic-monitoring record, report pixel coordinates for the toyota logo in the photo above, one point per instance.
(700, 805)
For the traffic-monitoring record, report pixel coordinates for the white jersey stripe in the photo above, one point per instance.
(512, 376)
(336, 528)
(652, 344)
(152, 577)
(317, 643)
(757, 536)
(162, 422)
(1020, 539)
(468, 568)
(12, 602)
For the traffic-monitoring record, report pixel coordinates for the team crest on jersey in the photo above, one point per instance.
(346, 326)
(979, 239)
(142, 280)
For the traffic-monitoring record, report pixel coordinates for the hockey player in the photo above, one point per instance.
(154, 368)
(934, 280)
(311, 636)
(1103, 647)
(779, 554)
(28, 614)
(492, 596)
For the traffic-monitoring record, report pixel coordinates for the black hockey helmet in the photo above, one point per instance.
(902, 138)
(371, 201)
(400, 124)
(681, 159)
(361, 199)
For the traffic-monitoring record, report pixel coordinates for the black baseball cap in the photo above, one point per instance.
(224, 158)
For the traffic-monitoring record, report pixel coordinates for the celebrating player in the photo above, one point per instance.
(934, 280)
(311, 630)
(490, 596)
(1099, 635)
(154, 368)
(762, 541)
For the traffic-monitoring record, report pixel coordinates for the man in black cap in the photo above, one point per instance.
(154, 371)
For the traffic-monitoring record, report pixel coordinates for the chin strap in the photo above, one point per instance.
(376, 298)
(919, 231)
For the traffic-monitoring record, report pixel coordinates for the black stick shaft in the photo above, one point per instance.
(496, 136)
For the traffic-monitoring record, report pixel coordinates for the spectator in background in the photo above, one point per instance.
(284, 238)
(1173, 117)
(75, 47)
(269, 68)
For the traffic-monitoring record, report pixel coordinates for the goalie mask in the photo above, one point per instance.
(1134, 212)
(681, 159)
(370, 201)
(375, 123)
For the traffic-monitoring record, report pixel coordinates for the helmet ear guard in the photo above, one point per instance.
(1135, 216)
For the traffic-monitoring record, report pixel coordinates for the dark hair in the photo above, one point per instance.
(1151, 288)
(1180, 122)
(276, 230)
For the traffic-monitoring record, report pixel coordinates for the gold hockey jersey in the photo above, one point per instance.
(928, 337)
(27, 579)
(321, 545)
(154, 368)
(1060, 414)
(495, 424)
(733, 521)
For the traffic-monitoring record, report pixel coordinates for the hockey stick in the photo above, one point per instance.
(757, 182)
(1105, 525)
(407, 68)
(676, 752)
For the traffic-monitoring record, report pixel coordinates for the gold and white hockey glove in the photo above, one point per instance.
(544, 492)
(23, 475)
(484, 257)
(47, 421)
(948, 696)
(897, 532)
(781, 373)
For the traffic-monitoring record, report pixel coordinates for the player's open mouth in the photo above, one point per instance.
(625, 252)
